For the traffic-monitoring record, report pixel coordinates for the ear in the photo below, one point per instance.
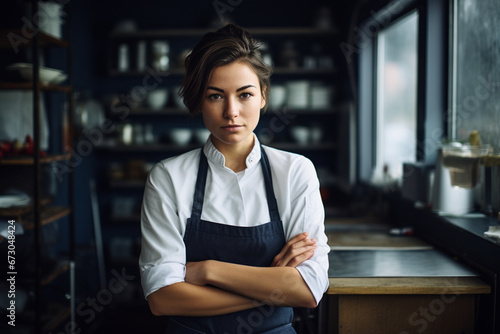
(264, 100)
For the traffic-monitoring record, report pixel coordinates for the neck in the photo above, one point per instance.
(235, 155)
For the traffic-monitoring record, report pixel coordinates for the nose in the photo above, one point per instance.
(231, 110)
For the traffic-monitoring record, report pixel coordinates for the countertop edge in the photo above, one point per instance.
(407, 285)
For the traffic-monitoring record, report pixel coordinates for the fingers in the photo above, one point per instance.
(296, 251)
(292, 241)
(294, 262)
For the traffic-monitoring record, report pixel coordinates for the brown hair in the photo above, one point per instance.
(228, 44)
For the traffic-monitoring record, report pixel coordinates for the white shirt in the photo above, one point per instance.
(230, 198)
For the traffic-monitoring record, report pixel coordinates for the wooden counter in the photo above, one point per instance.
(407, 286)
(394, 286)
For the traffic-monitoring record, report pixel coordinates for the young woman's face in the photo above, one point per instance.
(231, 105)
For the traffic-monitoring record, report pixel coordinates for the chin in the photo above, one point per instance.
(234, 139)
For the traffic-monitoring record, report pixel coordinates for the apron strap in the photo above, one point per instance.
(268, 180)
(199, 192)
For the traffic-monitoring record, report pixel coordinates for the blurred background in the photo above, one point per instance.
(368, 90)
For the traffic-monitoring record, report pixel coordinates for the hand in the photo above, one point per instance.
(297, 250)
(196, 272)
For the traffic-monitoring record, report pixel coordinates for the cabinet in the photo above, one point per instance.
(39, 244)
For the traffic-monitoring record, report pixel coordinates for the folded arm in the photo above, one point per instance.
(194, 300)
(214, 287)
(280, 285)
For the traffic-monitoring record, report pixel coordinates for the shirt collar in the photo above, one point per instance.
(216, 157)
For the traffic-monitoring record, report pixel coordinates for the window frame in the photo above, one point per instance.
(378, 98)
(432, 82)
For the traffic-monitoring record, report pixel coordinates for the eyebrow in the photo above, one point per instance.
(222, 90)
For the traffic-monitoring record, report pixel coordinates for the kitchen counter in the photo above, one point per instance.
(463, 238)
(395, 263)
(381, 283)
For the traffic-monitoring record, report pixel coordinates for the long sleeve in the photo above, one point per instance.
(302, 210)
(162, 260)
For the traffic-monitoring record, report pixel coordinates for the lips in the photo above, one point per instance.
(232, 127)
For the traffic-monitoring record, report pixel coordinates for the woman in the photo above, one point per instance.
(233, 233)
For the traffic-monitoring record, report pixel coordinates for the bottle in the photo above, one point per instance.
(474, 138)
(127, 134)
(266, 55)
(123, 59)
(161, 61)
(149, 137)
(141, 56)
(289, 56)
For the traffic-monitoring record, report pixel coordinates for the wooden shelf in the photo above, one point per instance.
(168, 111)
(303, 71)
(198, 32)
(61, 268)
(148, 148)
(286, 110)
(16, 211)
(276, 70)
(125, 219)
(29, 160)
(24, 215)
(174, 147)
(175, 111)
(126, 184)
(300, 147)
(17, 35)
(134, 73)
(58, 314)
(29, 86)
(49, 215)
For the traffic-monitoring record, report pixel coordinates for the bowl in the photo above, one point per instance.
(201, 135)
(321, 97)
(181, 136)
(277, 96)
(46, 74)
(157, 99)
(59, 79)
(300, 134)
(52, 26)
(298, 94)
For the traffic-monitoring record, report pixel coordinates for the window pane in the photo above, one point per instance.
(396, 96)
(477, 74)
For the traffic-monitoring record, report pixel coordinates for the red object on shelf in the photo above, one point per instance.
(18, 149)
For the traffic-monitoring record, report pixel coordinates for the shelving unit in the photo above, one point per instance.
(42, 211)
(120, 194)
(173, 116)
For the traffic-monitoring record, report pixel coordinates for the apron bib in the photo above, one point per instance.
(253, 246)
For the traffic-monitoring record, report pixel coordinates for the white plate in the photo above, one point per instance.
(46, 74)
(6, 201)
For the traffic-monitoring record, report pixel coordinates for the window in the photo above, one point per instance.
(476, 78)
(396, 97)
(391, 126)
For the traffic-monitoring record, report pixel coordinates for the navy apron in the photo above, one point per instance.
(253, 246)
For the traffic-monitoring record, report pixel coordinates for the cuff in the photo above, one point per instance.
(315, 277)
(156, 277)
